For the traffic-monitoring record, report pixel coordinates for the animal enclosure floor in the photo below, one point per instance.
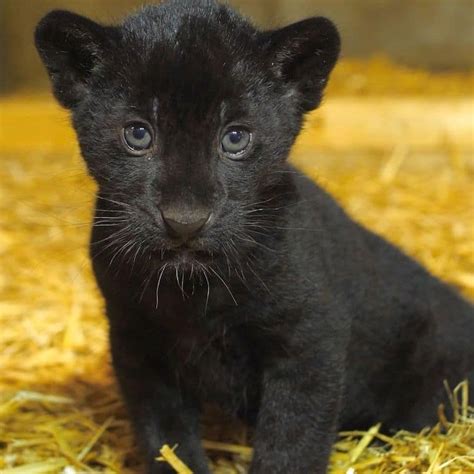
(59, 407)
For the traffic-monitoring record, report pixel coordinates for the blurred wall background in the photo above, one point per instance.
(432, 34)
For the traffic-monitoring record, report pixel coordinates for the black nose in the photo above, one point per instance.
(184, 228)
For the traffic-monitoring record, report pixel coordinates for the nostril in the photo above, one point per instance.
(184, 228)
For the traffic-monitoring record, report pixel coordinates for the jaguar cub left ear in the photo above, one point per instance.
(303, 55)
(71, 47)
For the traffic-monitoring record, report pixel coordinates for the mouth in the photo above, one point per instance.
(183, 257)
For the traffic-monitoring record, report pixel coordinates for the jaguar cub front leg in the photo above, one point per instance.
(160, 412)
(298, 416)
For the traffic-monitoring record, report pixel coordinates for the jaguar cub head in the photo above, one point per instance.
(185, 114)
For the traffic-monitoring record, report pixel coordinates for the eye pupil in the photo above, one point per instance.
(139, 132)
(235, 136)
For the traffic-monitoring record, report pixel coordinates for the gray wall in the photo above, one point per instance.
(435, 34)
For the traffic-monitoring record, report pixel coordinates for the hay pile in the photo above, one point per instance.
(59, 408)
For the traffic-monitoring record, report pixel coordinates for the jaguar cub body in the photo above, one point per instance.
(229, 277)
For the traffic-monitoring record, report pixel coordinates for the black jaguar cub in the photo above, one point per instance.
(229, 277)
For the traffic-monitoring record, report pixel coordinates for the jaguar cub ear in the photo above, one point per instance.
(303, 55)
(71, 47)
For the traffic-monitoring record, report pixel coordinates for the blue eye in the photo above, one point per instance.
(235, 142)
(137, 137)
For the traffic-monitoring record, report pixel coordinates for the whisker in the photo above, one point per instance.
(111, 236)
(208, 286)
(145, 286)
(163, 268)
(253, 241)
(137, 252)
(113, 201)
(258, 278)
(224, 283)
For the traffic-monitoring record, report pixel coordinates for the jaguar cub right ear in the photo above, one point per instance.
(71, 47)
(303, 55)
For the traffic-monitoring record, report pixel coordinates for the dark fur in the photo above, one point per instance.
(284, 311)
